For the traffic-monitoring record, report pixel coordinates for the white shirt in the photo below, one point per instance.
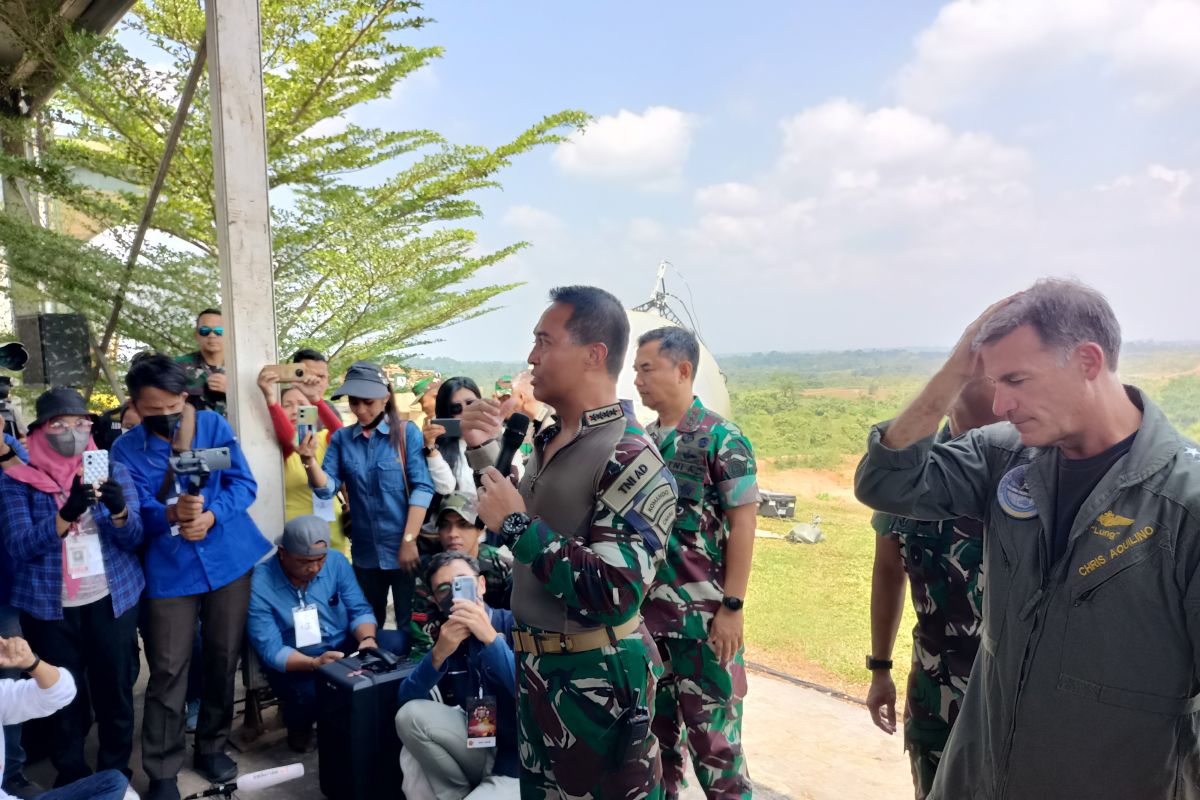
(25, 700)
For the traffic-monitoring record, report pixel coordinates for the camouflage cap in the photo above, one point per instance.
(425, 384)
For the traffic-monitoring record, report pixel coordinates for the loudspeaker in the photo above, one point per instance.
(59, 348)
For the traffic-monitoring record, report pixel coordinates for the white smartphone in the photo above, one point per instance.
(95, 467)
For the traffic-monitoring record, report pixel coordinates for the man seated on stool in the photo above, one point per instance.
(306, 610)
(472, 668)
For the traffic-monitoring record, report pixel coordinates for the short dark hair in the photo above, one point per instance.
(1063, 313)
(216, 311)
(596, 316)
(156, 372)
(675, 343)
(445, 558)
(308, 354)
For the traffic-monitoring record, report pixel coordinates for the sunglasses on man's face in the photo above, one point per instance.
(204, 330)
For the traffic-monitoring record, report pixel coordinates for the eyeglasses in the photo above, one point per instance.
(204, 330)
(58, 426)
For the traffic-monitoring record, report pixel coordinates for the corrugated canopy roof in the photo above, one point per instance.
(26, 81)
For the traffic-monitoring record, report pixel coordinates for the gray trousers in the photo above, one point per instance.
(170, 632)
(435, 734)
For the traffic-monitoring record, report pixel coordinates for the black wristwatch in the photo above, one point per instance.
(733, 603)
(428, 452)
(513, 526)
(874, 663)
(12, 453)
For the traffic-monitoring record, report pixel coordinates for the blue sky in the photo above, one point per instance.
(829, 175)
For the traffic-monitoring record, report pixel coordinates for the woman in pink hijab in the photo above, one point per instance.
(77, 579)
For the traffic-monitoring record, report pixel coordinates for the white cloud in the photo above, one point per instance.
(647, 149)
(531, 221)
(975, 45)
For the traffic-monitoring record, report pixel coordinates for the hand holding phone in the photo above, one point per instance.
(287, 373)
(306, 422)
(464, 588)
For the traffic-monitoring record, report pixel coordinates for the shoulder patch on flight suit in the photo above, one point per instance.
(633, 477)
(1013, 495)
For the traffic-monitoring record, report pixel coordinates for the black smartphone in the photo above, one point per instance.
(453, 427)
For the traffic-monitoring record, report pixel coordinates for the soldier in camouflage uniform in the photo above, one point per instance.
(943, 562)
(206, 366)
(587, 529)
(456, 528)
(694, 608)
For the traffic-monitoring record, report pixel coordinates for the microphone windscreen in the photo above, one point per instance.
(270, 777)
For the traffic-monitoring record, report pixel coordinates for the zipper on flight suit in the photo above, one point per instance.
(533, 479)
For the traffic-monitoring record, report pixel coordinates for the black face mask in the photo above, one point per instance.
(375, 422)
(162, 424)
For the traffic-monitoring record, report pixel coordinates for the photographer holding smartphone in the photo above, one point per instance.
(290, 430)
(468, 737)
(445, 451)
(76, 577)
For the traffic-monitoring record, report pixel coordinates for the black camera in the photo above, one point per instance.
(198, 465)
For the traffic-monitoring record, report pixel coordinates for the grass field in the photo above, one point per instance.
(808, 610)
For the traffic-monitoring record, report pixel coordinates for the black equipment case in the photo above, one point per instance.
(358, 750)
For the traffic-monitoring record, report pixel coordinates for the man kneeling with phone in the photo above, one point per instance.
(463, 742)
(306, 610)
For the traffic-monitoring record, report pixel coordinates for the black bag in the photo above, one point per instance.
(358, 750)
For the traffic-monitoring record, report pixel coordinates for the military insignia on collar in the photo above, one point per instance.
(1192, 452)
(1013, 495)
(599, 416)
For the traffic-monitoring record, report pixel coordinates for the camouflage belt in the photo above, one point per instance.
(549, 643)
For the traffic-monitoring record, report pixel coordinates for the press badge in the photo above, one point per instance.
(323, 508)
(307, 625)
(481, 722)
(84, 556)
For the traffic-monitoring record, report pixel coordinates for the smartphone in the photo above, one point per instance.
(95, 467)
(306, 422)
(463, 588)
(453, 427)
(288, 373)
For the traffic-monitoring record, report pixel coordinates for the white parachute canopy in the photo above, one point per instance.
(710, 383)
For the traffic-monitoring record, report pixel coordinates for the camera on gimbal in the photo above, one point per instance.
(198, 465)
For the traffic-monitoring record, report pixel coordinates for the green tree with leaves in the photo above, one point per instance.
(361, 271)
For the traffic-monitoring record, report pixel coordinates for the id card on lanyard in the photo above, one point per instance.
(306, 622)
(481, 721)
(85, 559)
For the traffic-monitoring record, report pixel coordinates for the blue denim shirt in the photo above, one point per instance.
(6, 575)
(341, 607)
(374, 476)
(176, 567)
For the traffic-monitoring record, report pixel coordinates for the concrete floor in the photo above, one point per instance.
(800, 744)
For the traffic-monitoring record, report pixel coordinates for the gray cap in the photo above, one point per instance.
(365, 380)
(302, 535)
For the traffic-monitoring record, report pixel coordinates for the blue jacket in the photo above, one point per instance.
(341, 607)
(33, 544)
(381, 488)
(6, 575)
(473, 666)
(176, 567)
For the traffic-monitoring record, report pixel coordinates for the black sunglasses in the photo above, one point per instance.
(204, 330)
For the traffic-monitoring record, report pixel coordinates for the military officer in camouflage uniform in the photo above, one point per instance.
(943, 562)
(456, 528)
(206, 366)
(588, 529)
(694, 610)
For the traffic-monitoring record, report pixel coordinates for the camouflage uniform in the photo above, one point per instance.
(198, 371)
(425, 621)
(699, 700)
(602, 509)
(944, 565)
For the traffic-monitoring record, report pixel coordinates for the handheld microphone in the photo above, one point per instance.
(262, 779)
(511, 441)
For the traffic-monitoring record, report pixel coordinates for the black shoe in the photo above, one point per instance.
(163, 789)
(302, 740)
(216, 767)
(20, 786)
